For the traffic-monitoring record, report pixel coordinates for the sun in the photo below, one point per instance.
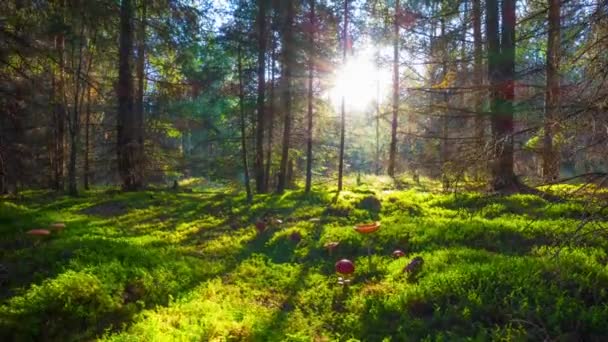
(360, 82)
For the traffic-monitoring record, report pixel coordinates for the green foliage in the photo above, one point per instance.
(170, 265)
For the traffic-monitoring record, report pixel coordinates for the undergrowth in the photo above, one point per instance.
(190, 266)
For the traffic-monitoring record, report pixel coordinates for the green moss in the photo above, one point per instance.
(163, 265)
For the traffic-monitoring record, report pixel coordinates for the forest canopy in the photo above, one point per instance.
(276, 94)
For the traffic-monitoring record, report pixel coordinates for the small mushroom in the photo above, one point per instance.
(346, 268)
(398, 254)
(330, 246)
(58, 226)
(38, 234)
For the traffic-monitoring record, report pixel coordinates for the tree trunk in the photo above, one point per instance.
(141, 87)
(311, 61)
(270, 120)
(261, 126)
(444, 152)
(343, 106)
(126, 127)
(59, 114)
(478, 75)
(393, 147)
(501, 67)
(74, 120)
(243, 127)
(550, 155)
(87, 141)
(288, 58)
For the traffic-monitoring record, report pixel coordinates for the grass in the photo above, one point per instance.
(179, 266)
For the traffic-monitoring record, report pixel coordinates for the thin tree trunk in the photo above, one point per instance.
(270, 119)
(286, 96)
(141, 86)
(243, 128)
(87, 141)
(393, 147)
(311, 61)
(443, 154)
(378, 127)
(260, 125)
(478, 74)
(126, 122)
(343, 106)
(59, 113)
(550, 155)
(74, 121)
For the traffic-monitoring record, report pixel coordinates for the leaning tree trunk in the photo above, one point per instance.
(393, 146)
(126, 127)
(261, 126)
(288, 60)
(550, 155)
(343, 106)
(311, 61)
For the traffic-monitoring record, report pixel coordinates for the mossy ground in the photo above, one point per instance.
(179, 266)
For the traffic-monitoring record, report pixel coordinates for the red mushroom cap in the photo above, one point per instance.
(398, 253)
(345, 266)
(39, 232)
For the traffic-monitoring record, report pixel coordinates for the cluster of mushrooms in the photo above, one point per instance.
(346, 267)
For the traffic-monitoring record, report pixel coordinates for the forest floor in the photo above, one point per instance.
(165, 265)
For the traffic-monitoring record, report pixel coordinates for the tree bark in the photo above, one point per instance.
(74, 120)
(311, 61)
(141, 86)
(393, 147)
(270, 119)
(343, 105)
(444, 151)
(127, 129)
(501, 67)
(478, 75)
(87, 142)
(59, 112)
(261, 125)
(286, 88)
(550, 155)
(243, 127)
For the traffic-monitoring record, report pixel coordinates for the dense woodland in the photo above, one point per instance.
(139, 93)
(187, 170)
